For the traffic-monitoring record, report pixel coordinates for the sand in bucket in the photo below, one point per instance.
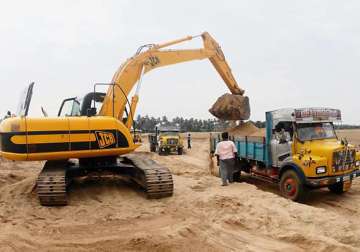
(231, 107)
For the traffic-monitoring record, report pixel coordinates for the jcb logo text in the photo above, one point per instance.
(104, 139)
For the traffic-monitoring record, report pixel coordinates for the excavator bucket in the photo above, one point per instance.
(231, 107)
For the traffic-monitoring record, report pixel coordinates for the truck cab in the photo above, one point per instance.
(300, 151)
(166, 140)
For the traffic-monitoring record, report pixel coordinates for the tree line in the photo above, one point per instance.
(148, 124)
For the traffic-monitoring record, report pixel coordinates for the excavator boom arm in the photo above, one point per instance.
(132, 70)
(220, 64)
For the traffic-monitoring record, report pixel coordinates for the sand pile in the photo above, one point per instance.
(231, 107)
(246, 129)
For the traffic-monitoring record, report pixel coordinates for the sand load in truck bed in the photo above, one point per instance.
(231, 107)
(246, 129)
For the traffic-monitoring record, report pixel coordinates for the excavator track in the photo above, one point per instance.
(154, 178)
(54, 178)
(51, 184)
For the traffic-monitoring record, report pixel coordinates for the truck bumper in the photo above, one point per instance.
(323, 182)
(169, 148)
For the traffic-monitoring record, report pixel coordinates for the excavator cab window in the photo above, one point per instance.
(24, 104)
(70, 107)
(81, 107)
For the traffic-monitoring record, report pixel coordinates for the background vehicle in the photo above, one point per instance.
(166, 140)
(83, 139)
(299, 152)
(136, 135)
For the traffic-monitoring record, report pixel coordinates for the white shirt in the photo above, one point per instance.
(225, 150)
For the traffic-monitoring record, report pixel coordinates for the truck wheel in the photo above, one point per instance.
(180, 151)
(164, 152)
(291, 186)
(338, 188)
(152, 148)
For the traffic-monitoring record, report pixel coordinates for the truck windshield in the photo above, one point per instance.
(310, 131)
(169, 133)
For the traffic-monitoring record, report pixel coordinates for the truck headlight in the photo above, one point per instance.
(357, 164)
(320, 169)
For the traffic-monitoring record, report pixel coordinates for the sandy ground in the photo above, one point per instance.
(113, 215)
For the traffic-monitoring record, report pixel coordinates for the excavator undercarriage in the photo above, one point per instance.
(56, 176)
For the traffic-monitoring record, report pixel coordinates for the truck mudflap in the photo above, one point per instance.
(322, 182)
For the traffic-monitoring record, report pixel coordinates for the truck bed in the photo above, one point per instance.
(248, 147)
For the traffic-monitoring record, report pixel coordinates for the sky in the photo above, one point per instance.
(283, 53)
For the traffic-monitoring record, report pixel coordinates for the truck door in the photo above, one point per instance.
(281, 143)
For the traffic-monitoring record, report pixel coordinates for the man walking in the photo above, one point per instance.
(225, 153)
(189, 141)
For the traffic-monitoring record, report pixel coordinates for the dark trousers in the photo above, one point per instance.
(227, 170)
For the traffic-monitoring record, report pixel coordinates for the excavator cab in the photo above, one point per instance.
(86, 106)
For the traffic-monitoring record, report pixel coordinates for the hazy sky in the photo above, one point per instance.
(283, 53)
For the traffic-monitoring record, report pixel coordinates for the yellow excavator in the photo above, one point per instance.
(82, 140)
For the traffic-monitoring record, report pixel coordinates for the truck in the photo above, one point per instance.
(166, 140)
(300, 152)
(136, 133)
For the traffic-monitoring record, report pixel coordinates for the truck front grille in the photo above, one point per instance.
(343, 160)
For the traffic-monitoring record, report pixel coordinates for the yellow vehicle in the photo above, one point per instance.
(82, 140)
(136, 135)
(166, 140)
(299, 152)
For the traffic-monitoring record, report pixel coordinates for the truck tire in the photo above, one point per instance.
(291, 187)
(180, 151)
(337, 188)
(163, 152)
(152, 148)
(243, 165)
